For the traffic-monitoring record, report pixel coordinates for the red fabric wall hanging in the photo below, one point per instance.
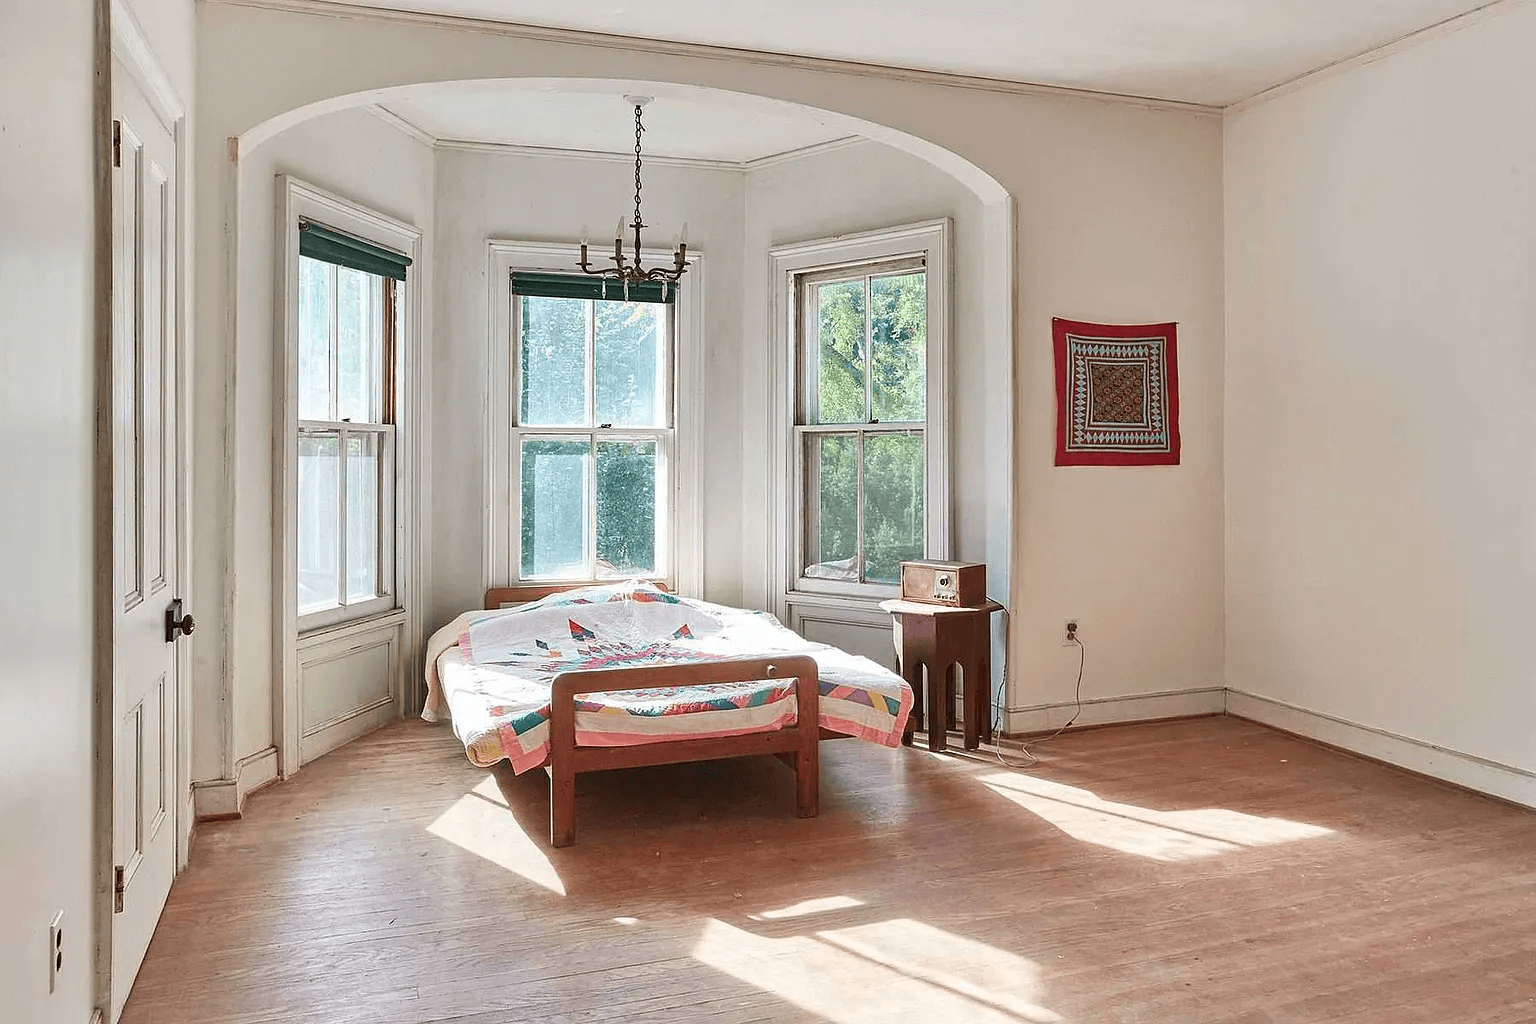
(1117, 394)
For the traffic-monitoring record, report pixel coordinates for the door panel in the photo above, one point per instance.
(147, 522)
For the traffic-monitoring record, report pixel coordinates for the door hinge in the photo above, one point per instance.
(119, 888)
(117, 143)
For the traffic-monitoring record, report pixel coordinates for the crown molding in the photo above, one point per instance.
(703, 51)
(804, 152)
(557, 153)
(1367, 57)
(400, 124)
(695, 163)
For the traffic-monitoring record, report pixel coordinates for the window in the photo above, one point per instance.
(348, 323)
(592, 433)
(862, 423)
(859, 471)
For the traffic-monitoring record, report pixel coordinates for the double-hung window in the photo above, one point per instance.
(861, 423)
(592, 430)
(348, 323)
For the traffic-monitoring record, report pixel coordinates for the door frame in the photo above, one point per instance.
(121, 38)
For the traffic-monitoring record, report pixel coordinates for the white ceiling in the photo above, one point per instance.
(1201, 51)
(689, 123)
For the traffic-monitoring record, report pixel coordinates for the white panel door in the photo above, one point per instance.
(146, 536)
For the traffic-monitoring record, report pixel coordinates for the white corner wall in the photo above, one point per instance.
(1119, 221)
(1381, 500)
(484, 195)
(48, 411)
(353, 154)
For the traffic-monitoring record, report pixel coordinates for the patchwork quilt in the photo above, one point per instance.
(493, 671)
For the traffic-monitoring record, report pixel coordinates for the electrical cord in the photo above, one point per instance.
(1077, 709)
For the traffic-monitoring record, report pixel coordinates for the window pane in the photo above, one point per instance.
(554, 358)
(626, 507)
(898, 340)
(840, 353)
(628, 343)
(832, 521)
(363, 459)
(314, 339)
(319, 527)
(555, 510)
(359, 344)
(893, 504)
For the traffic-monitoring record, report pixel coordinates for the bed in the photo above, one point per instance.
(626, 674)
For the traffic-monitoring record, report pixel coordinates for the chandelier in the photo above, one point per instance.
(624, 270)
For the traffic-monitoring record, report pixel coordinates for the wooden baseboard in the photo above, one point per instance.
(1492, 778)
(224, 799)
(1139, 707)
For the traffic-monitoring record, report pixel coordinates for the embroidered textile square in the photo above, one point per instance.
(1117, 394)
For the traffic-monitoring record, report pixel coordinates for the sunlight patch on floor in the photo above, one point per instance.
(807, 907)
(481, 823)
(881, 972)
(1158, 835)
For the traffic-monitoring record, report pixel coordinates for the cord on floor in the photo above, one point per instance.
(1082, 660)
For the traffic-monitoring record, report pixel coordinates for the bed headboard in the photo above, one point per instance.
(502, 597)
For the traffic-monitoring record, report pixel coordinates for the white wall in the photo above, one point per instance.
(1120, 221)
(1381, 282)
(47, 441)
(1119, 218)
(360, 157)
(489, 195)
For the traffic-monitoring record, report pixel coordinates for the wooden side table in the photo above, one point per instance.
(938, 638)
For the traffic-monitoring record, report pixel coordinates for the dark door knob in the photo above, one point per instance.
(177, 624)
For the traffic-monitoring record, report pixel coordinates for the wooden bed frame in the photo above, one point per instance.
(797, 745)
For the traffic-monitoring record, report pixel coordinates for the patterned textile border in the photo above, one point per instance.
(1117, 394)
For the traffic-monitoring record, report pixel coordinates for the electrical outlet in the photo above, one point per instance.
(1069, 637)
(55, 950)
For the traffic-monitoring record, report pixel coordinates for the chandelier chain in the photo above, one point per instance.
(639, 130)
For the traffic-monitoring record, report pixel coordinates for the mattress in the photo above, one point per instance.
(492, 671)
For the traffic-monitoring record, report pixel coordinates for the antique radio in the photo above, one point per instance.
(958, 584)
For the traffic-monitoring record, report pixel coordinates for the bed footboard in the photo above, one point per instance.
(566, 759)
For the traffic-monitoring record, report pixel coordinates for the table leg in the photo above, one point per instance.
(974, 689)
(940, 689)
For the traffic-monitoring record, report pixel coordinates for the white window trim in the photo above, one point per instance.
(299, 199)
(932, 241)
(685, 541)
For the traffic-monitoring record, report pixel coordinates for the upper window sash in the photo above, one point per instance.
(807, 287)
(598, 395)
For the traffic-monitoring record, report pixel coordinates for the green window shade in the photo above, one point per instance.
(321, 243)
(580, 286)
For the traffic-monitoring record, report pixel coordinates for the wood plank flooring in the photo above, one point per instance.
(1208, 870)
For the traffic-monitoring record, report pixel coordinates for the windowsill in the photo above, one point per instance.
(870, 597)
(333, 631)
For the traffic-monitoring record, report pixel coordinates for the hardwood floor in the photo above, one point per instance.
(1203, 870)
